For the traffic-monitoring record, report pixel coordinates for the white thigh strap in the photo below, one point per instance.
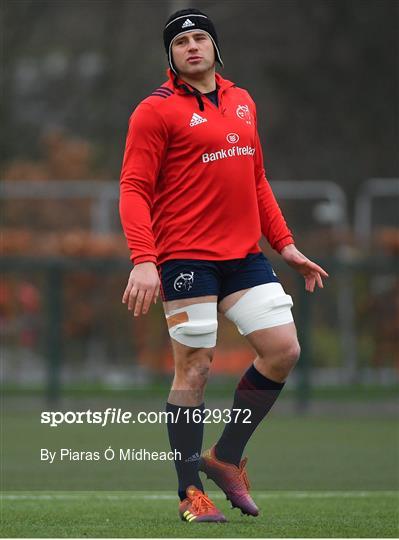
(263, 306)
(194, 325)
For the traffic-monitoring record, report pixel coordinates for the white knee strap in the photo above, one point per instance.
(263, 306)
(195, 325)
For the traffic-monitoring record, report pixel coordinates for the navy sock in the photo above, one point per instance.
(185, 436)
(256, 393)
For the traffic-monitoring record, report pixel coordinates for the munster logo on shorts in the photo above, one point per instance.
(184, 282)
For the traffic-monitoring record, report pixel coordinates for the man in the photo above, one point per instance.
(194, 203)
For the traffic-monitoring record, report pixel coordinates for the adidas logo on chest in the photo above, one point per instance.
(197, 119)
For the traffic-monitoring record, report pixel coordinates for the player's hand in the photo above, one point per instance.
(311, 271)
(142, 288)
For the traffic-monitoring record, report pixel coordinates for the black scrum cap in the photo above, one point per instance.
(187, 20)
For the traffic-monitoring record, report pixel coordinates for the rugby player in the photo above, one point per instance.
(194, 202)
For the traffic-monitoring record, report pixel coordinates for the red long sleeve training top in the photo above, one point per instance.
(193, 184)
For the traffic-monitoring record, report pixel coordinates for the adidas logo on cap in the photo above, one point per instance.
(187, 23)
(197, 119)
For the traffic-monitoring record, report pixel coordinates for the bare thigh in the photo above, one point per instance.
(177, 304)
(229, 300)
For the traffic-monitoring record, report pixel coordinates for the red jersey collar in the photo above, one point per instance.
(221, 83)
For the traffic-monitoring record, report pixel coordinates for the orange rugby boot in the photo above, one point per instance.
(231, 479)
(198, 507)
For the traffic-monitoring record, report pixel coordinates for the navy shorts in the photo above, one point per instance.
(189, 278)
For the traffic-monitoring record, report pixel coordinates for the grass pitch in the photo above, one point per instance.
(134, 514)
(312, 476)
